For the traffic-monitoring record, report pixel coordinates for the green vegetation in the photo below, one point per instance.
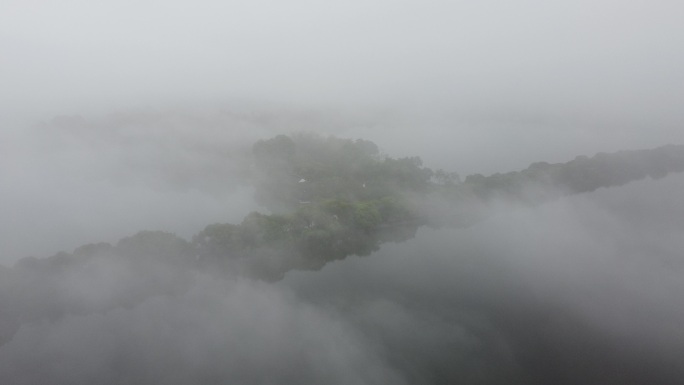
(543, 181)
(309, 237)
(330, 198)
(327, 198)
(306, 168)
(337, 197)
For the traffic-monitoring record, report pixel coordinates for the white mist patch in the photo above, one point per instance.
(591, 281)
(218, 330)
(584, 288)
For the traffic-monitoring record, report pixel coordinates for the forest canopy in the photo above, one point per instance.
(324, 198)
(327, 198)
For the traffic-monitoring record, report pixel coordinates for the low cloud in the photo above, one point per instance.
(581, 290)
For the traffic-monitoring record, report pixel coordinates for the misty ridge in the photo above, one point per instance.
(478, 279)
(341, 192)
(326, 197)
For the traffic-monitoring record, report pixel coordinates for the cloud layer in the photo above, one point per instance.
(582, 290)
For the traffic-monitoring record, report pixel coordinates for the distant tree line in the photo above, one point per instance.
(542, 182)
(333, 197)
(583, 174)
(329, 198)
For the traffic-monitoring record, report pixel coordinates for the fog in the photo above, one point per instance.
(584, 58)
(606, 64)
(123, 116)
(583, 290)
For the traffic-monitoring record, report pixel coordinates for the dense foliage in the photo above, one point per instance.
(306, 168)
(461, 204)
(583, 174)
(330, 198)
(333, 197)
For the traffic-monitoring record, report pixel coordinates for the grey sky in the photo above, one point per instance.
(587, 59)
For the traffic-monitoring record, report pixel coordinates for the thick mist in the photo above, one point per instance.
(524, 59)
(122, 116)
(582, 290)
